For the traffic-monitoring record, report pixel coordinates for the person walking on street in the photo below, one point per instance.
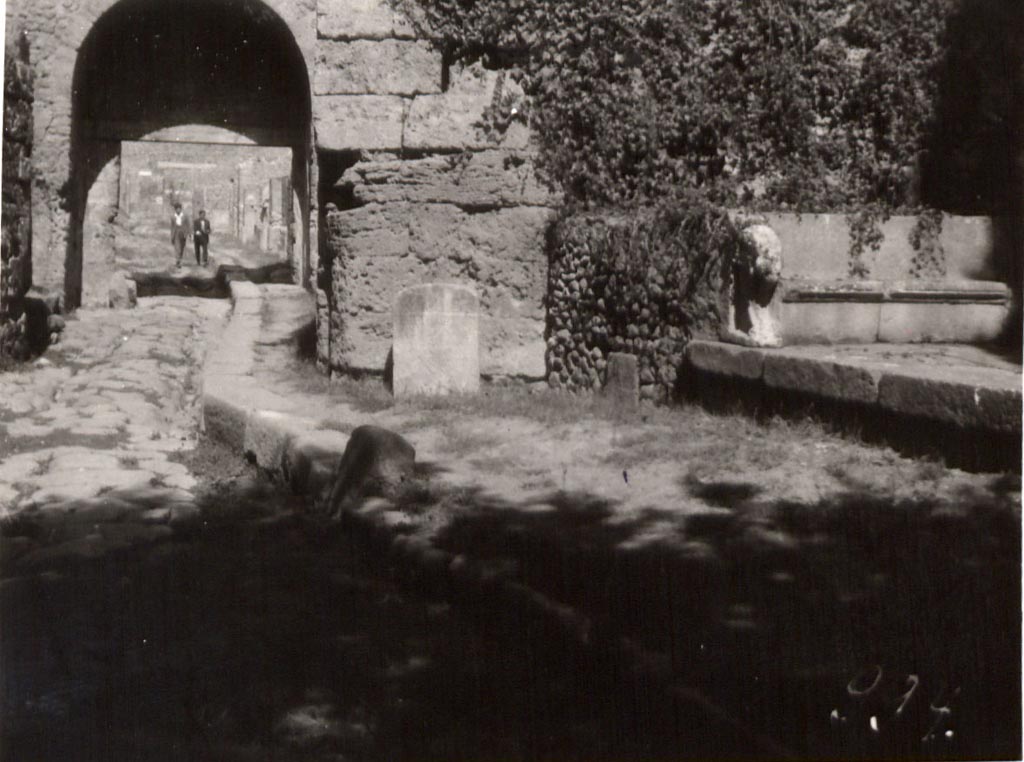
(179, 232)
(201, 239)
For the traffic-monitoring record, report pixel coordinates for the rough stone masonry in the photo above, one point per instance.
(377, 123)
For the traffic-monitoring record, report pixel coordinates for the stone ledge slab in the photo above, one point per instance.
(950, 401)
(830, 322)
(725, 359)
(967, 323)
(831, 380)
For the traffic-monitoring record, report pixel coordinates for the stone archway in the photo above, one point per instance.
(147, 67)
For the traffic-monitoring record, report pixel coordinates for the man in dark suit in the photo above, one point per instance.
(201, 238)
(179, 232)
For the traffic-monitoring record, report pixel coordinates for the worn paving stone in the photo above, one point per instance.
(20, 467)
(8, 495)
(82, 460)
(122, 383)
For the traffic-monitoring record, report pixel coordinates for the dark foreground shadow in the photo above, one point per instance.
(141, 628)
(853, 628)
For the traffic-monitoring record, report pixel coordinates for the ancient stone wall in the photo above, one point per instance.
(16, 260)
(643, 284)
(441, 200)
(58, 30)
(428, 193)
(99, 234)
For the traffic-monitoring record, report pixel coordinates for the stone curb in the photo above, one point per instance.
(944, 400)
(294, 451)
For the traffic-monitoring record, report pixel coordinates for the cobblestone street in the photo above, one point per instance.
(162, 602)
(103, 412)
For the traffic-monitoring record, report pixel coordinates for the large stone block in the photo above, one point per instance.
(436, 340)
(725, 359)
(367, 343)
(484, 179)
(358, 122)
(511, 346)
(903, 322)
(385, 67)
(830, 322)
(950, 400)
(509, 235)
(122, 293)
(323, 327)
(375, 463)
(374, 230)
(830, 380)
(622, 382)
(454, 121)
(360, 19)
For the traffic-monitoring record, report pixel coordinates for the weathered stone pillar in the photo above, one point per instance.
(436, 340)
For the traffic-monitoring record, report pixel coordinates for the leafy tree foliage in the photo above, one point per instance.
(811, 105)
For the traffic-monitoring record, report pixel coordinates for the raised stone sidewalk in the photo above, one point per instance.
(958, 401)
(282, 428)
(955, 384)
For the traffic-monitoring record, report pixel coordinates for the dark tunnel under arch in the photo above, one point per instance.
(147, 66)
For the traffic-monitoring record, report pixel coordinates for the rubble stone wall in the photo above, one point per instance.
(16, 259)
(642, 284)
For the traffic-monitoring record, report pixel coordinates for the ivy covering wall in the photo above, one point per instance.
(808, 105)
(667, 111)
(644, 283)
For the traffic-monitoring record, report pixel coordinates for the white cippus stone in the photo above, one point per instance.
(436, 340)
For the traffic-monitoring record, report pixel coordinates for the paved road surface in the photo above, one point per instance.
(163, 603)
(104, 411)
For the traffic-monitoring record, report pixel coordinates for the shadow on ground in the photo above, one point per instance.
(853, 628)
(244, 629)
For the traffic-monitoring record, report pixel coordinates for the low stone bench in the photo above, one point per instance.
(764, 303)
(910, 311)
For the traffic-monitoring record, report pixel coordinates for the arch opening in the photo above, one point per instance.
(188, 72)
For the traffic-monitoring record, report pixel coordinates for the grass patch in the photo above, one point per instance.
(461, 442)
(333, 425)
(548, 406)
(366, 394)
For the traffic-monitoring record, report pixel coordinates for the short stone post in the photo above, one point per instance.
(622, 383)
(436, 340)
